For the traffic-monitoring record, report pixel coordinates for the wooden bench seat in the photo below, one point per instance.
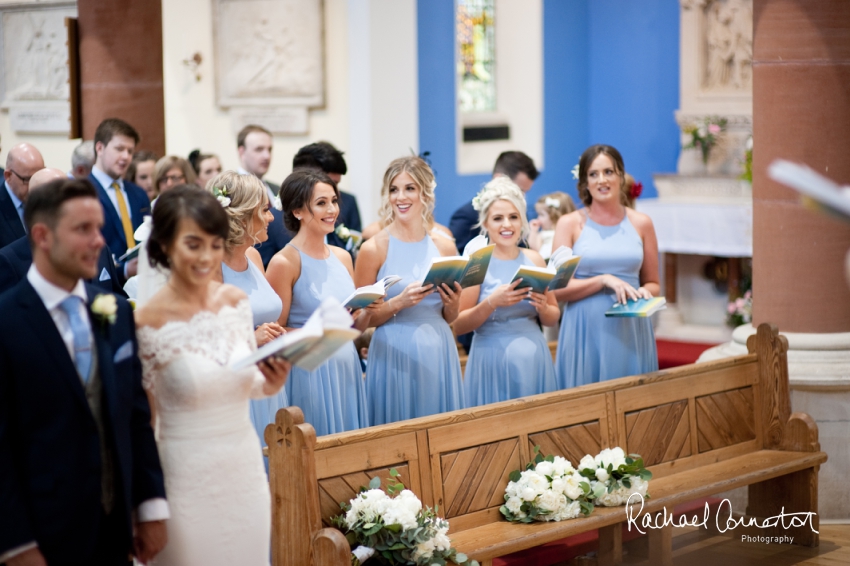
(702, 429)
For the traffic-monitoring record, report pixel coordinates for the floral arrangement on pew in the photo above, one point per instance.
(549, 489)
(614, 477)
(395, 529)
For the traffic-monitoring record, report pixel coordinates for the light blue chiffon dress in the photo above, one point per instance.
(265, 306)
(591, 346)
(333, 396)
(509, 356)
(413, 367)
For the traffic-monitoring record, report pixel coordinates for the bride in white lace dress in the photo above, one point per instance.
(189, 334)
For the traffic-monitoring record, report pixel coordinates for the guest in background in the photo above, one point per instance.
(413, 366)
(509, 357)
(21, 164)
(362, 343)
(171, 171)
(124, 203)
(248, 217)
(254, 144)
(303, 274)
(516, 166)
(82, 160)
(206, 166)
(619, 262)
(16, 258)
(549, 209)
(141, 172)
(326, 157)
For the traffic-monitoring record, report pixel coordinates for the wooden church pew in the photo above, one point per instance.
(702, 429)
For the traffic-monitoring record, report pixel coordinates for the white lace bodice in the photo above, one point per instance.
(186, 364)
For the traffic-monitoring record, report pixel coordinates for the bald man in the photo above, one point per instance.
(23, 160)
(15, 259)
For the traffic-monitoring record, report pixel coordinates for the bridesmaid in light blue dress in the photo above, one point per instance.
(248, 213)
(509, 357)
(619, 261)
(303, 274)
(413, 367)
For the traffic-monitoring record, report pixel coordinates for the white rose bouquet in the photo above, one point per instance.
(394, 528)
(549, 489)
(615, 476)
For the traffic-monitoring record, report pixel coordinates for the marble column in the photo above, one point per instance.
(801, 112)
(121, 67)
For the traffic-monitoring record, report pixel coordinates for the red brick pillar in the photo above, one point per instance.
(121, 67)
(801, 112)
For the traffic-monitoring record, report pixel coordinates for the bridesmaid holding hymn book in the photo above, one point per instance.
(413, 367)
(304, 273)
(509, 357)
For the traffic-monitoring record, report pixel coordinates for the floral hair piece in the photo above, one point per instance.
(220, 193)
(636, 190)
(476, 202)
(574, 171)
(552, 202)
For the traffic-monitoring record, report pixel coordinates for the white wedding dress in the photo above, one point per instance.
(215, 480)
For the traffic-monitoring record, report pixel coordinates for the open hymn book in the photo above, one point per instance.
(365, 296)
(468, 269)
(818, 193)
(326, 331)
(562, 266)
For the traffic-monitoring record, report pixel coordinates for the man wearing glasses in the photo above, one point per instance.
(23, 160)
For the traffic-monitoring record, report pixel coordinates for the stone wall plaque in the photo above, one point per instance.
(34, 84)
(269, 53)
(287, 120)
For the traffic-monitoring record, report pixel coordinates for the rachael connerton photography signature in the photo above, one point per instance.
(662, 519)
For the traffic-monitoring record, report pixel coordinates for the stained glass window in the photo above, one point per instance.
(476, 62)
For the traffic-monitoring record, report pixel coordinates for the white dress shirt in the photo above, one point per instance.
(52, 296)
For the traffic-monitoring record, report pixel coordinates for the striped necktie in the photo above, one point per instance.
(126, 221)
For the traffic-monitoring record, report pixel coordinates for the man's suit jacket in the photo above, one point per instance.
(461, 225)
(50, 485)
(349, 214)
(113, 230)
(16, 258)
(11, 227)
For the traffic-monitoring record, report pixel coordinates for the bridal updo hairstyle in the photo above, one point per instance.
(247, 194)
(587, 159)
(501, 188)
(183, 201)
(296, 192)
(422, 176)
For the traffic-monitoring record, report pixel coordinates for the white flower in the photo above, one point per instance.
(545, 468)
(476, 202)
(562, 466)
(106, 307)
(276, 203)
(528, 494)
(551, 501)
(574, 171)
(343, 232)
(559, 485)
(514, 504)
(587, 463)
(572, 486)
(602, 475)
(223, 201)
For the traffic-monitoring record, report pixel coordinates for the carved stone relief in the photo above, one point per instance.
(269, 60)
(34, 86)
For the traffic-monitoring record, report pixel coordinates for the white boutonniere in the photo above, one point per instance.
(105, 307)
(343, 232)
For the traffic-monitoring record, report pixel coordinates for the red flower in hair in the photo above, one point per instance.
(636, 190)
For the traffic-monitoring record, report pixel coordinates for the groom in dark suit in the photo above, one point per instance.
(77, 453)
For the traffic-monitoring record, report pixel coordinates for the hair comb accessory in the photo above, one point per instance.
(552, 202)
(220, 194)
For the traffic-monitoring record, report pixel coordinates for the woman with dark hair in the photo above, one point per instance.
(189, 334)
(413, 367)
(304, 273)
(619, 262)
(205, 165)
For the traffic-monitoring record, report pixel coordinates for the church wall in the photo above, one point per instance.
(611, 75)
